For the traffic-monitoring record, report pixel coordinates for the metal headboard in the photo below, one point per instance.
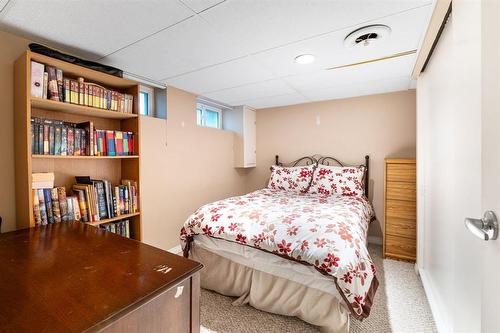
(328, 160)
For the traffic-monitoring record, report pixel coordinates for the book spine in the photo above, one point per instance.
(116, 201)
(52, 140)
(57, 140)
(43, 208)
(77, 141)
(125, 143)
(45, 85)
(40, 137)
(101, 199)
(36, 208)
(81, 92)
(53, 91)
(74, 91)
(70, 216)
(83, 206)
(64, 140)
(76, 208)
(34, 137)
(48, 204)
(37, 72)
(110, 141)
(67, 91)
(46, 136)
(63, 204)
(60, 86)
(86, 94)
(55, 205)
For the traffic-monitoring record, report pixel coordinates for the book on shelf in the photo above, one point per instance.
(121, 228)
(49, 82)
(90, 200)
(42, 180)
(37, 73)
(55, 137)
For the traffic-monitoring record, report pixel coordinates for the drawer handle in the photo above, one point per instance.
(179, 291)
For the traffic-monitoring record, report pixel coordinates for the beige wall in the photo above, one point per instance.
(377, 125)
(11, 48)
(195, 167)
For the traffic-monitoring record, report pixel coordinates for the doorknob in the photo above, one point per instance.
(485, 228)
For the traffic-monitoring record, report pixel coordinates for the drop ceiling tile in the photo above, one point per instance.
(261, 25)
(227, 75)
(407, 30)
(272, 101)
(185, 47)
(234, 96)
(99, 27)
(201, 5)
(360, 89)
(379, 70)
(2, 4)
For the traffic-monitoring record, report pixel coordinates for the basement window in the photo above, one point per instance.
(146, 101)
(208, 116)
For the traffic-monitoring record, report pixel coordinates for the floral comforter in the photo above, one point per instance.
(326, 232)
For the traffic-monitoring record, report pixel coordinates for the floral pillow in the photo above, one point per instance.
(291, 179)
(336, 180)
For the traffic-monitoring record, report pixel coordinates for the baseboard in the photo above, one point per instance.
(442, 324)
(175, 250)
(375, 240)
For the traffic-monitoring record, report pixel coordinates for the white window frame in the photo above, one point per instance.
(150, 91)
(208, 107)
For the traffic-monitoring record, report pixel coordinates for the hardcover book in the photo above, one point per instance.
(43, 208)
(53, 90)
(37, 71)
(63, 205)
(36, 207)
(60, 87)
(48, 204)
(55, 205)
(67, 91)
(58, 140)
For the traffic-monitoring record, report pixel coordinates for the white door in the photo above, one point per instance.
(477, 262)
(490, 148)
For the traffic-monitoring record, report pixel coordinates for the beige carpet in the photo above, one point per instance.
(400, 306)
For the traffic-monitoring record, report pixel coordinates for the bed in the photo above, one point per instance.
(294, 248)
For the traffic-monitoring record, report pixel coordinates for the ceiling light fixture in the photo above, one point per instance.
(305, 59)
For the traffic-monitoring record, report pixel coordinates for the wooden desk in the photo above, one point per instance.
(71, 277)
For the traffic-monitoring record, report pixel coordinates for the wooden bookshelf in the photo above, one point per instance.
(112, 168)
(82, 157)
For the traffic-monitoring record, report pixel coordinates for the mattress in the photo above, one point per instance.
(269, 263)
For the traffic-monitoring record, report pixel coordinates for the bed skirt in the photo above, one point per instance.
(270, 293)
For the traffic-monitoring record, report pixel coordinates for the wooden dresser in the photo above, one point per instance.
(72, 277)
(400, 209)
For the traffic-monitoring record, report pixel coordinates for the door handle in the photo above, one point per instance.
(485, 228)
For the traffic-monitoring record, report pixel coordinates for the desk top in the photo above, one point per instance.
(69, 277)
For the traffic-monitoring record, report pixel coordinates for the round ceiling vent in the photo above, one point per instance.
(367, 36)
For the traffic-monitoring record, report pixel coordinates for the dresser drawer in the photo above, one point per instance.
(401, 172)
(401, 209)
(401, 227)
(400, 247)
(401, 191)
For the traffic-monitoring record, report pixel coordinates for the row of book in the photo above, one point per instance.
(121, 228)
(49, 82)
(90, 201)
(56, 137)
